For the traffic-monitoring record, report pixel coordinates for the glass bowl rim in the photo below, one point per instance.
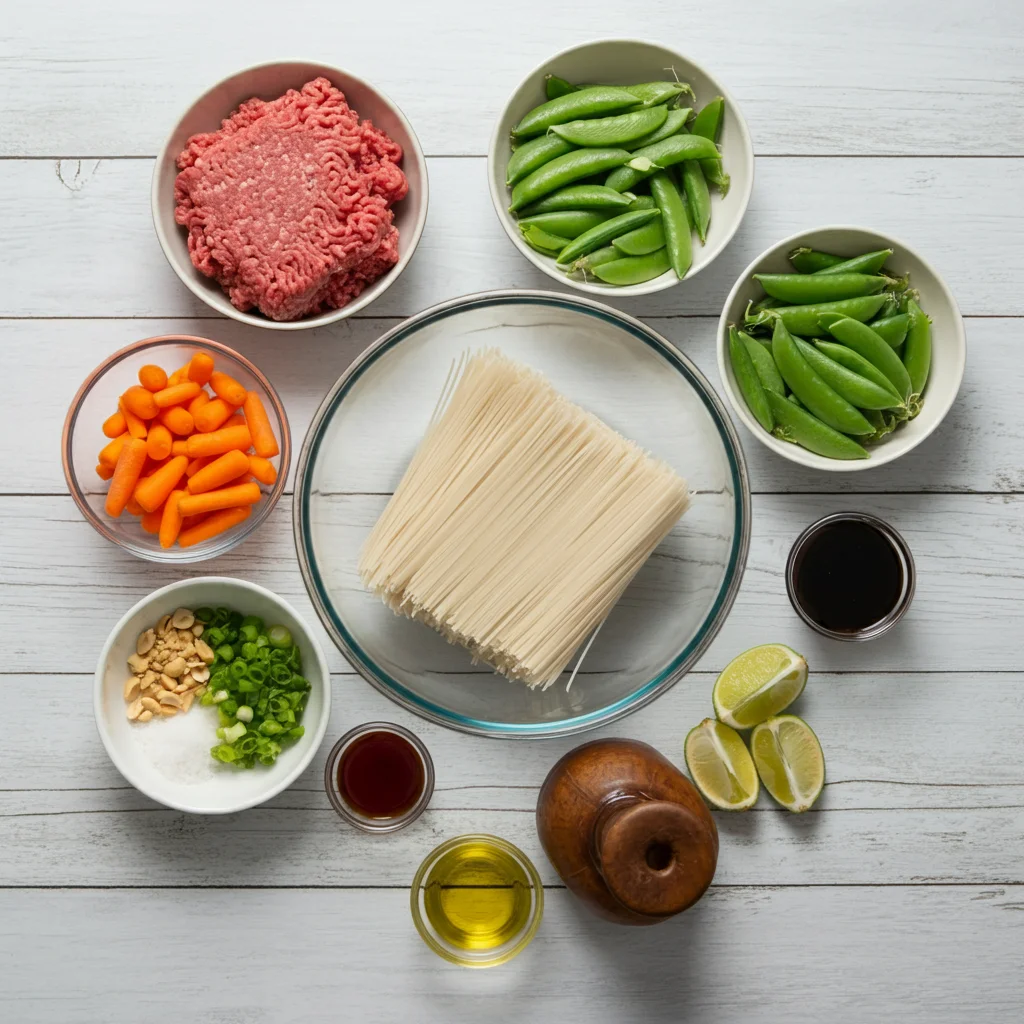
(640, 696)
(233, 537)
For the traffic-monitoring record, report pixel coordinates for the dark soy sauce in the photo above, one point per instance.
(381, 775)
(848, 576)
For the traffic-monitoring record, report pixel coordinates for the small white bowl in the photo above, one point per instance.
(949, 342)
(169, 759)
(626, 62)
(268, 81)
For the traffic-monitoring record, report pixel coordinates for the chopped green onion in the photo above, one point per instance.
(220, 696)
(279, 636)
(237, 731)
(244, 713)
(225, 652)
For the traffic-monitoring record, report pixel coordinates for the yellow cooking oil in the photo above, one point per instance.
(477, 896)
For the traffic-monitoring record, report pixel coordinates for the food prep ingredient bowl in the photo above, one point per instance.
(169, 759)
(97, 399)
(367, 429)
(628, 62)
(949, 342)
(269, 81)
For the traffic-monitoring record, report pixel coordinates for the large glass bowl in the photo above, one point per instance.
(368, 428)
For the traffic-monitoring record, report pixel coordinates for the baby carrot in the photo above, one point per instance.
(198, 402)
(217, 442)
(226, 387)
(259, 426)
(213, 415)
(103, 471)
(262, 469)
(216, 524)
(136, 427)
(199, 368)
(109, 453)
(151, 520)
(132, 507)
(179, 447)
(158, 443)
(219, 472)
(176, 394)
(170, 521)
(179, 375)
(225, 497)
(116, 425)
(126, 475)
(197, 464)
(152, 377)
(235, 419)
(152, 492)
(140, 402)
(177, 420)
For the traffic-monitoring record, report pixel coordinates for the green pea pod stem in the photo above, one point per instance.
(564, 170)
(640, 241)
(567, 223)
(533, 154)
(891, 329)
(698, 199)
(803, 289)
(799, 426)
(804, 382)
(749, 380)
(555, 87)
(598, 236)
(580, 197)
(858, 364)
(764, 364)
(708, 125)
(650, 94)
(675, 222)
(675, 121)
(543, 241)
(589, 102)
(613, 131)
(634, 269)
(811, 261)
(864, 341)
(805, 320)
(869, 263)
(857, 390)
(883, 422)
(917, 353)
(586, 264)
(673, 150)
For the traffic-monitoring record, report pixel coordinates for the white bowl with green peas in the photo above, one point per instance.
(720, 201)
(946, 340)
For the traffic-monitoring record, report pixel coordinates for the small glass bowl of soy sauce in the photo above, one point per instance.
(850, 576)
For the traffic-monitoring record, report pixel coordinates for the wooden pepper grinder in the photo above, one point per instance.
(627, 831)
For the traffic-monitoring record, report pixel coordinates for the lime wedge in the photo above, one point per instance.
(757, 684)
(789, 760)
(721, 766)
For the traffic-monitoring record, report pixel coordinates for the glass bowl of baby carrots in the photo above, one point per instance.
(176, 448)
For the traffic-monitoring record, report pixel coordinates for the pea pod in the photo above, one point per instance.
(675, 222)
(675, 121)
(596, 237)
(868, 263)
(589, 102)
(796, 401)
(917, 353)
(858, 391)
(803, 289)
(640, 241)
(613, 131)
(634, 269)
(891, 329)
(811, 261)
(564, 170)
(708, 125)
(533, 154)
(800, 427)
(567, 223)
(749, 380)
(593, 259)
(543, 241)
(883, 422)
(820, 399)
(662, 154)
(863, 340)
(580, 197)
(764, 364)
(805, 320)
(555, 87)
(642, 202)
(650, 94)
(858, 364)
(698, 199)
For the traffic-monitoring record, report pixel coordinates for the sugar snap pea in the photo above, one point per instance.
(698, 199)
(564, 170)
(675, 121)
(596, 237)
(858, 364)
(543, 241)
(634, 269)
(811, 261)
(862, 339)
(708, 124)
(868, 263)
(589, 102)
(675, 222)
(642, 202)
(650, 94)
(613, 131)
(673, 150)
(764, 364)
(805, 320)
(555, 87)
(892, 329)
(580, 197)
(917, 353)
(883, 422)
(820, 399)
(857, 390)
(567, 223)
(804, 289)
(533, 154)
(642, 240)
(749, 380)
(800, 427)
(593, 259)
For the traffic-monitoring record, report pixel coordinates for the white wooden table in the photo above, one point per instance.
(899, 897)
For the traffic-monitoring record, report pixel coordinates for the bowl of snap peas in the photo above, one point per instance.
(620, 167)
(841, 348)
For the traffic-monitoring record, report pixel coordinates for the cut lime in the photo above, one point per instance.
(721, 766)
(789, 760)
(757, 684)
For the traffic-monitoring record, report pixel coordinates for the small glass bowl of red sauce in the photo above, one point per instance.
(379, 777)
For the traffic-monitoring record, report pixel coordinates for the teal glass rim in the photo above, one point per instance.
(396, 690)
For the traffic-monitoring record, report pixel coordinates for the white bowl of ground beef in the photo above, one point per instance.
(290, 195)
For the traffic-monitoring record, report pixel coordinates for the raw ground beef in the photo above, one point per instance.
(288, 205)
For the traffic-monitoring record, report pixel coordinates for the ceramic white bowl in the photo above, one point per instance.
(268, 81)
(169, 759)
(949, 341)
(625, 62)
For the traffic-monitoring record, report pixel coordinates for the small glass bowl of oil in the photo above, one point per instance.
(477, 900)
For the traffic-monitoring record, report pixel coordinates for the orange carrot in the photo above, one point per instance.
(103, 471)
(217, 442)
(262, 469)
(151, 520)
(219, 472)
(110, 453)
(136, 427)
(158, 443)
(170, 521)
(116, 425)
(226, 387)
(198, 402)
(152, 492)
(187, 522)
(132, 506)
(177, 420)
(197, 464)
(236, 419)
(263, 439)
(179, 447)
(152, 378)
(179, 375)
(126, 475)
(139, 401)
(200, 367)
(213, 525)
(176, 394)
(224, 497)
(213, 415)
